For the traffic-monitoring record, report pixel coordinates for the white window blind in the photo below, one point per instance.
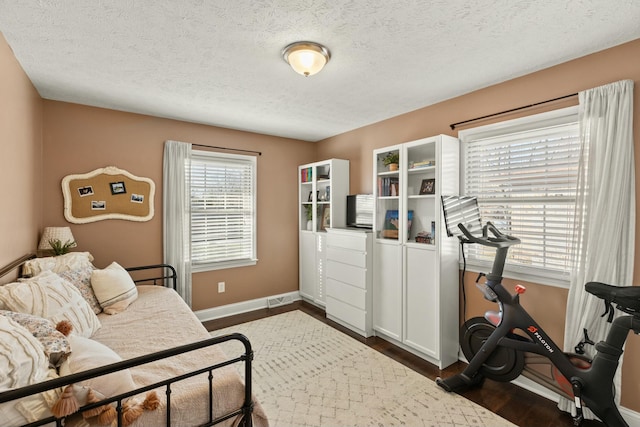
(525, 182)
(222, 210)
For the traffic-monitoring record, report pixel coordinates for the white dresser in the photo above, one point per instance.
(349, 279)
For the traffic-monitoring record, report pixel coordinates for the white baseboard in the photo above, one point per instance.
(241, 307)
(631, 417)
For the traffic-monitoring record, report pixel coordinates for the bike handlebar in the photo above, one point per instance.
(499, 240)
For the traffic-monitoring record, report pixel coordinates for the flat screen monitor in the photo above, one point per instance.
(461, 210)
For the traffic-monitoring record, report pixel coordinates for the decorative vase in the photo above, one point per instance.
(310, 225)
(393, 166)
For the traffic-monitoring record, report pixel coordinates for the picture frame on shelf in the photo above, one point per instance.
(428, 186)
(326, 217)
(391, 222)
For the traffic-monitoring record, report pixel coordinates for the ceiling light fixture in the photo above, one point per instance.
(306, 58)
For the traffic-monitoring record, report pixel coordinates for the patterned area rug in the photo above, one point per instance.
(307, 373)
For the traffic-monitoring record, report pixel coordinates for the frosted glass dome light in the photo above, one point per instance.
(306, 58)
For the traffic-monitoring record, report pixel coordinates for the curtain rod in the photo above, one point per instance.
(259, 153)
(453, 126)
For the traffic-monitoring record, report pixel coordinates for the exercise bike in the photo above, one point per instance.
(495, 345)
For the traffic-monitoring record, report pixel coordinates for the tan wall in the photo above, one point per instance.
(547, 304)
(20, 160)
(79, 139)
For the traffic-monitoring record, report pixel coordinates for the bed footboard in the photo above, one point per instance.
(245, 411)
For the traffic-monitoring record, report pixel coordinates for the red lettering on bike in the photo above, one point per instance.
(532, 329)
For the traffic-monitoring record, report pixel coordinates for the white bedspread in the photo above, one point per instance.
(159, 320)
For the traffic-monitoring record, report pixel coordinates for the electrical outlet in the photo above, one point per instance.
(220, 287)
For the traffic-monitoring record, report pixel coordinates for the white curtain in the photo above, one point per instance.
(605, 213)
(176, 208)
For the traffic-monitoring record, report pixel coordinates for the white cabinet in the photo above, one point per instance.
(416, 270)
(349, 274)
(322, 201)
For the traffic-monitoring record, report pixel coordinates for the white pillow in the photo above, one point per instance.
(50, 296)
(22, 357)
(114, 288)
(88, 354)
(31, 408)
(22, 363)
(57, 264)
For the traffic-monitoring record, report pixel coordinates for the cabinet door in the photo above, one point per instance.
(421, 301)
(307, 265)
(321, 268)
(387, 290)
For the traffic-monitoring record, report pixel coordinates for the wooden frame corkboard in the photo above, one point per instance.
(107, 193)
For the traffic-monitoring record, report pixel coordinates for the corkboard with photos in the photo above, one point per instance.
(107, 193)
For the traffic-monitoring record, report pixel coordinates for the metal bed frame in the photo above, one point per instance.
(168, 274)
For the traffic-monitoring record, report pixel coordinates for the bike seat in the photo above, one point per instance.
(627, 298)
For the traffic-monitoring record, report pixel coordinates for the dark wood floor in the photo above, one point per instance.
(511, 402)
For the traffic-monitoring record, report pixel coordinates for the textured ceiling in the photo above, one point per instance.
(218, 62)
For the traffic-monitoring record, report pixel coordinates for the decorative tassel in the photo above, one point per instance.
(108, 416)
(151, 402)
(64, 327)
(92, 398)
(67, 404)
(130, 412)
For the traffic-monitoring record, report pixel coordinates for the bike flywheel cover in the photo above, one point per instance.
(504, 364)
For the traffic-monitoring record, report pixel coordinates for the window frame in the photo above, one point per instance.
(558, 117)
(210, 265)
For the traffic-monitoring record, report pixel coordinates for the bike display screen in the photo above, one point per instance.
(461, 210)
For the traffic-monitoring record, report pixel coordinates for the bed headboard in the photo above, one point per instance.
(15, 264)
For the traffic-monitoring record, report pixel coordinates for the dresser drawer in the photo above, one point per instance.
(347, 256)
(350, 241)
(348, 294)
(346, 313)
(346, 273)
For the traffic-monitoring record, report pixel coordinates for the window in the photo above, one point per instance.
(223, 213)
(524, 173)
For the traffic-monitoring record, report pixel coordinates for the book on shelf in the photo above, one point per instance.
(388, 186)
(422, 164)
(306, 175)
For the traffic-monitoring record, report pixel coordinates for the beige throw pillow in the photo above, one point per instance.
(57, 264)
(50, 296)
(114, 288)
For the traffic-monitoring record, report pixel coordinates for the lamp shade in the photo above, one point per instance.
(61, 234)
(306, 58)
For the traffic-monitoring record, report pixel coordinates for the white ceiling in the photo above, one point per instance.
(219, 62)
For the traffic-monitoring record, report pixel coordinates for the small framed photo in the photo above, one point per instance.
(428, 186)
(137, 198)
(98, 205)
(85, 191)
(326, 217)
(118, 187)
